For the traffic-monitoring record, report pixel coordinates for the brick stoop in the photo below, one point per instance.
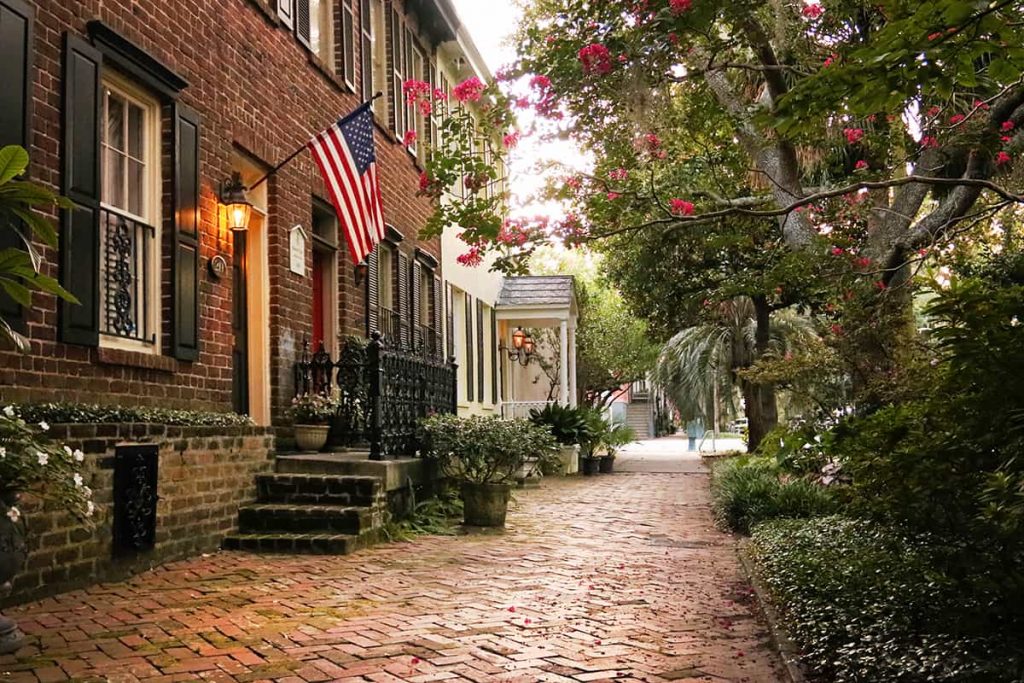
(311, 513)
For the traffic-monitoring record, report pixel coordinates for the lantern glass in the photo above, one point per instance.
(237, 208)
(239, 215)
(528, 345)
(519, 338)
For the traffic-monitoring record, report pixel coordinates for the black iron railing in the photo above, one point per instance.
(384, 391)
(392, 327)
(428, 342)
(127, 263)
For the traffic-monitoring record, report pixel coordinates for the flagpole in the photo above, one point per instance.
(297, 152)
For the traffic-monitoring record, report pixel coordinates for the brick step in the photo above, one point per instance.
(277, 518)
(306, 544)
(317, 489)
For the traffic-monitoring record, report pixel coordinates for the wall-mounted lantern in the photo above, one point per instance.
(237, 207)
(522, 347)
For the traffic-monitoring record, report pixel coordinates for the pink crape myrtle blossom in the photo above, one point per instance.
(812, 10)
(410, 138)
(853, 135)
(1003, 158)
(470, 90)
(596, 59)
(618, 174)
(680, 6)
(471, 259)
(681, 207)
(511, 140)
(861, 165)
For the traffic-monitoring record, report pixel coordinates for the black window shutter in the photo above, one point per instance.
(450, 322)
(419, 340)
(80, 229)
(348, 46)
(302, 21)
(438, 311)
(481, 365)
(470, 351)
(494, 357)
(185, 263)
(15, 114)
(403, 300)
(373, 292)
(366, 49)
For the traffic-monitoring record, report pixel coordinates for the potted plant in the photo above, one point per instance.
(593, 439)
(569, 428)
(617, 437)
(312, 415)
(31, 465)
(484, 454)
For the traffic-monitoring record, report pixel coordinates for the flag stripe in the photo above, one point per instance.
(345, 155)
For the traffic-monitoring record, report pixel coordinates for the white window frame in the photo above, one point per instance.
(152, 201)
(323, 23)
(286, 12)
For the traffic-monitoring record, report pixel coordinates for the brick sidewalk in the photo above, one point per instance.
(608, 578)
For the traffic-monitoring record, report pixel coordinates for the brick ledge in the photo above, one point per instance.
(136, 359)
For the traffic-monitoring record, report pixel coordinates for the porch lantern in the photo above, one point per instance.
(522, 347)
(237, 207)
(528, 346)
(519, 338)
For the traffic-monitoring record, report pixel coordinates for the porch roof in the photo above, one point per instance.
(537, 290)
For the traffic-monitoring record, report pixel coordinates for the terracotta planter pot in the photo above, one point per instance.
(485, 504)
(311, 437)
(13, 552)
(607, 464)
(590, 466)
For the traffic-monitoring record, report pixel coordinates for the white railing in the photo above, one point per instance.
(521, 409)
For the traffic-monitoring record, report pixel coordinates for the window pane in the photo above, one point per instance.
(115, 121)
(136, 188)
(136, 132)
(113, 177)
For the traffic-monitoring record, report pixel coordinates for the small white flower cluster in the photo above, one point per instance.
(13, 514)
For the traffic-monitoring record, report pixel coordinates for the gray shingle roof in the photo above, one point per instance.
(537, 290)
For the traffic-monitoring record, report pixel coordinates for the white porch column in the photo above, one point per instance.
(563, 366)
(572, 366)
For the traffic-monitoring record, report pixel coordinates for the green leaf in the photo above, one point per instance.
(40, 226)
(17, 291)
(13, 162)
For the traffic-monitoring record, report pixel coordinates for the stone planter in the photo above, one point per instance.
(13, 552)
(485, 504)
(311, 437)
(590, 466)
(569, 461)
(529, 473)
(606, 464)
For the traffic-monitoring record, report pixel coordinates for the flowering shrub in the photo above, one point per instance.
(86, 413)
(313, 409)
(30, 463)
(470, 90)
(485, 450)
(596, 59)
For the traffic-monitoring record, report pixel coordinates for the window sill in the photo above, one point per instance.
(136, 359)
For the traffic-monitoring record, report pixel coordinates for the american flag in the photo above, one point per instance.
(344, 153)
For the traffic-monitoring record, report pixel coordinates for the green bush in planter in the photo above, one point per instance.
(484, 450)
(569, 425)
(747, 491)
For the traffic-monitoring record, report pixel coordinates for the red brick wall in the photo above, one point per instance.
(205, 473)
(260, 93)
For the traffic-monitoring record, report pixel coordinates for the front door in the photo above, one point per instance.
(318, 299)
(240, 326)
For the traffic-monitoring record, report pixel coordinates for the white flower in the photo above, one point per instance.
(78, 479)
(9, 411)
(13, 514)
(89, 508)
(87, 491)
(43, 457)
(3, 452)
(1014, 322)
(67, 449)
(78, 455)
(45, 427)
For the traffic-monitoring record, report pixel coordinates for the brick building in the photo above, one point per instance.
(139, 111)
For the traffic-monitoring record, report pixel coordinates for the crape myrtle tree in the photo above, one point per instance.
(802, 154)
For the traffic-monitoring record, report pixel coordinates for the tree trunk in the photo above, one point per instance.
(762, 409)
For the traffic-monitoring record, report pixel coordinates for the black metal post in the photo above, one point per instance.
(376, 379)
(454, 405)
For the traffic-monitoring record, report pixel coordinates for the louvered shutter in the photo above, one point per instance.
(366, 49)
(403, 300)
(302, 27)
(438, 312)
(348, 45)
(185, 263)
(286, 12)
(15, 117)
(470, 351)
(494, 357)
(418, 333)
(481, 367)
(450, 322)
(373, 292)
(80, 228)
(396, 61)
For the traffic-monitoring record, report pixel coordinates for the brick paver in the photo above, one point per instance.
(618, 577)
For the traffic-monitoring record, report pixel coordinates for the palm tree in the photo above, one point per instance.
(698, 358)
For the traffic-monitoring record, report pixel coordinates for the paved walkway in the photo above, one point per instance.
(617, 577)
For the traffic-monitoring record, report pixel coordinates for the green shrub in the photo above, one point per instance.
(569, 425)
(484, 450)
(747, 491)
(85, 413)
(867, 603)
